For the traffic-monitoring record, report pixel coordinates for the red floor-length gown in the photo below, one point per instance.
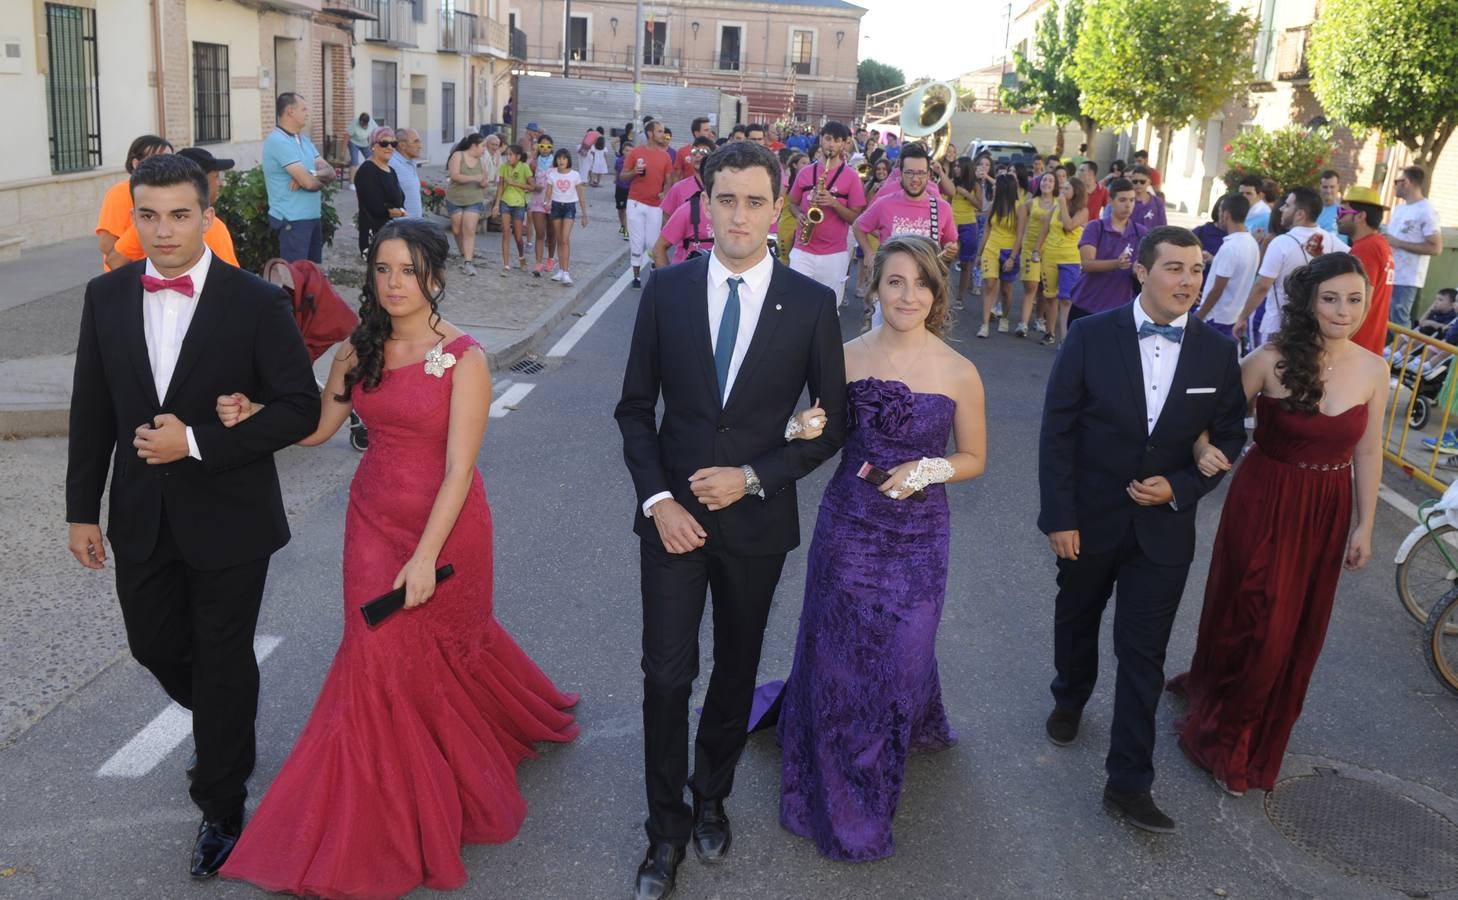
(1277, 559)
(412, 747)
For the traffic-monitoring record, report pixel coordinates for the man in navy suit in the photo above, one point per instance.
(729, 341)
(1131, 392)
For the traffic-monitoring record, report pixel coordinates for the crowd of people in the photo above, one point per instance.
(1144, 415)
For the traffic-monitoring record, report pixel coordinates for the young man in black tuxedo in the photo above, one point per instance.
(196, 509)
(729, 341)
(1130, 393)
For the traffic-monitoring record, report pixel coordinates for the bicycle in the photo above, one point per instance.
(1427, 560)
(1441, 643)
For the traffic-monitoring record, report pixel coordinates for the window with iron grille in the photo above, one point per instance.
(212, 110)
(448, 112)
(73, 97)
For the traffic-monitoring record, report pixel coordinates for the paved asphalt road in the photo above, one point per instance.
(1003, 814)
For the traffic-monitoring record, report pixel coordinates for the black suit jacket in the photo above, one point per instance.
(1095, 437)
(226, 509)
(796, 343)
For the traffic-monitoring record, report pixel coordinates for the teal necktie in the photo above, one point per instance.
(728, 331)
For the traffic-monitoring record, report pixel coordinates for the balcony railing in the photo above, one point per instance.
(729, 62)
(597, 58)
(1291, 54)
(350, 9)
(518, 44)
(454, 31)
(802, 66)
(394, 23)
(489, 35)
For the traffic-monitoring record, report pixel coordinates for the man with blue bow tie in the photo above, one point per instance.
(1131, 392)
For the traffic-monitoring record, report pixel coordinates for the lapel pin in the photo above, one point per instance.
(778, 307)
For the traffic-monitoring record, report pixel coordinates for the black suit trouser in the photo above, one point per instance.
(1148, 597)
(674, 588)
(193, 630)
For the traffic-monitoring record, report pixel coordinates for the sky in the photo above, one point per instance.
(941, 39)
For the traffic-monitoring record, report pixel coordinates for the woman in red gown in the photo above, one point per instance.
(1287, 527)
(412, 747)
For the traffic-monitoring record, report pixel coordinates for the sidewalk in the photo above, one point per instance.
(41, 297)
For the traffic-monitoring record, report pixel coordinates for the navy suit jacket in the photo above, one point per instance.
(796, 344)
(1095, 436)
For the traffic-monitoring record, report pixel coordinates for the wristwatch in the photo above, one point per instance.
(751, 481)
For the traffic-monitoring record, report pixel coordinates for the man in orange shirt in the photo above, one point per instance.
(116, 208)
(647, 170)
(1359, 215)
(128, 247)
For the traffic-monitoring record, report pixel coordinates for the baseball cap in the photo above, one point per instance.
(206, 160)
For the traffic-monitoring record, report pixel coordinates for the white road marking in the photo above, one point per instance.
(510, 397)
(1398, 502)
(575, 333)
(172, 726)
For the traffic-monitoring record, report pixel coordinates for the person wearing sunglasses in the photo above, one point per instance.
(1359, 221)
(542, 240)
(378, 188)
(691, 183)
(1148, 206)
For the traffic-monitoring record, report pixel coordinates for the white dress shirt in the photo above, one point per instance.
(751, 301)
(166, 316)
(1158, 357)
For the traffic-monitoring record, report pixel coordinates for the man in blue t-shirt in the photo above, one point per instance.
(294, 173)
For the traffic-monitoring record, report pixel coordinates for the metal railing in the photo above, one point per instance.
(394, 23)
(670, 58)
(454, 30)
(518, 44)
(490, 33)
(1424, 379)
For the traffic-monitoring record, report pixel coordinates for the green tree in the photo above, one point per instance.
(1047, 86)
(1390, 66)
(873, 77)
(243, 207)
(1171, 61)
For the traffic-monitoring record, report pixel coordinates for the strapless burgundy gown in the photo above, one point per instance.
(412, 747)
(1273, 576)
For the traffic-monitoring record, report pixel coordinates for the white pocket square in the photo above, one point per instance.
(1199, 390)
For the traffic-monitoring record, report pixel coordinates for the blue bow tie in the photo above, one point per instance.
(1174, 333)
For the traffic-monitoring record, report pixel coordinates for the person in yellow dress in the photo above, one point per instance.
(1035, 226)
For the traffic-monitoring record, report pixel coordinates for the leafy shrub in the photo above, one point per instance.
(1292, 155)
(243, 206)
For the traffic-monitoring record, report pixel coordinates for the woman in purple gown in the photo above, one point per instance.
(863, 692)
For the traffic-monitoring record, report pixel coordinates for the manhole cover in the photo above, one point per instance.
(528, 367)
(1368, 831)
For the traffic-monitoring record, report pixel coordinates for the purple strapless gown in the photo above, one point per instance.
(863, 692)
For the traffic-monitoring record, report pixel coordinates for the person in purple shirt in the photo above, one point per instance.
(1107, 250)
(1148, 207)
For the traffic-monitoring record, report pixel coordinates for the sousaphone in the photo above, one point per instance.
(926, 116)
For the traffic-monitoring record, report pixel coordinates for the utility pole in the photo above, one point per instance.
(567, 42)
(638, 69)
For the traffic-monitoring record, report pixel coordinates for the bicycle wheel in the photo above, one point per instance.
(1441, 641)
(1425, 573)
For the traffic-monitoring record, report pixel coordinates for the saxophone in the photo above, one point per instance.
(814, 215)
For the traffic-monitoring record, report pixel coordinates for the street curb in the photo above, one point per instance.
(41, 421)
(551, 317)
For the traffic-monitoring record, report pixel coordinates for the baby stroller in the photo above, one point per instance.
(1424, 376)
(323, 317)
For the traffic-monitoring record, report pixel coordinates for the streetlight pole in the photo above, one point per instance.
(567, 43)
(638, 67)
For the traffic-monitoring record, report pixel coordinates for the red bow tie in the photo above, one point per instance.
(181, 284)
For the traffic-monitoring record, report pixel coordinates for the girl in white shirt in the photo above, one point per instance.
(567, 198)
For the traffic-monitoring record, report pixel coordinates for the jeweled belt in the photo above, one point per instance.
(1315, 467)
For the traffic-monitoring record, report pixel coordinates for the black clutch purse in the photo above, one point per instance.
(383, 606)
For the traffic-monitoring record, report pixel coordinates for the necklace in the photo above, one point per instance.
(895, 369)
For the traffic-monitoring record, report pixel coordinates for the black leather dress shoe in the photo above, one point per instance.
(191, 770)
(1063, 725)
(215, 841)
(657, 872)
(1138, 810)
(711, 833)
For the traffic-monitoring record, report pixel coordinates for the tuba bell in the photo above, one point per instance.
(927, 116)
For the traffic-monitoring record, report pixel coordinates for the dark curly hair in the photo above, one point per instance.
(428, 250)
(1299, 341)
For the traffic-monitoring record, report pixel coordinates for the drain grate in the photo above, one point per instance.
(528, 367)
(1368, 831)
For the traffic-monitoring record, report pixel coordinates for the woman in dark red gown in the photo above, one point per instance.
(412, 747)
(1287, 527)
